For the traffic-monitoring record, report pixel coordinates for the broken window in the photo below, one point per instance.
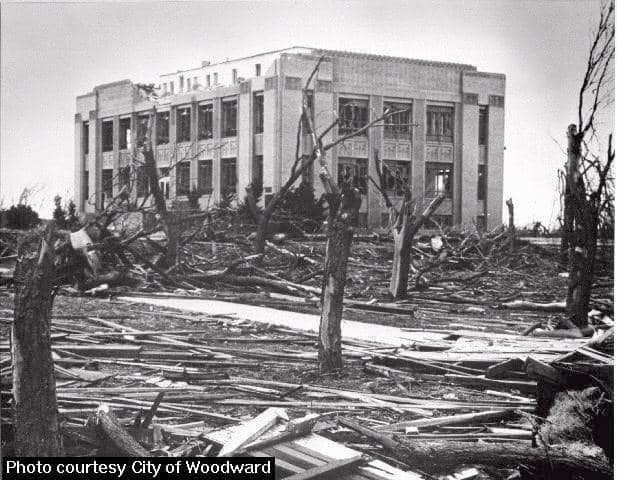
(258, 171)
(208, 81)
(183, 178)
(311, 109)
(481, 182)
(107, 181)
(204, 177)
(438, 179)
(86, 185)
(258, 69)
(183, 125)
(142, 182)
(439, 124)
(354, 172)
(396, 177)
(353, 115)
(397, 126)
(162, 128)
(258, 112)
(107, 136)
(483, 125)
(142, 129)
(125, 133)
(228, 176)
(234, 76)
(86, 138)
(229, 118)
(204, 122)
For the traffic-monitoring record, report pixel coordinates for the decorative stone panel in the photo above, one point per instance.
(108, 159)
(270, 83)
(125, 159)
(439, 153)
(162, 155)
(205, 149)
(496, 101)
(396, 150)
(245, 87)
(229, 147)
(258, 144)
(324, 86)
(470, 98)
(293, 83)
(183, 153)
(355, 147)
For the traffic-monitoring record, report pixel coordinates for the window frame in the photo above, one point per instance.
(430, 192)
(226, 167)
(183, 125)
(226, 131)
(162, 139)
(483, 125)
(360, 168)
(258, 112)
(398, 126)
(205, 119)
(183, 172)
(204, 172)
(397, 189)
(353, 115)
(440, 121)
(107, 136)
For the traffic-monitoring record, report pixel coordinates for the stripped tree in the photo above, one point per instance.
(405, 221)
(588, 176)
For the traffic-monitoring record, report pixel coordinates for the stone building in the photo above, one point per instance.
(222, 126)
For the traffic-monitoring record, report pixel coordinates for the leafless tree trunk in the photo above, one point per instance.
(34, 386)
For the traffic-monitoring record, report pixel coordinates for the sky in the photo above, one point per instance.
(52, 52)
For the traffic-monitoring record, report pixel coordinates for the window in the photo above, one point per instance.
(181, 83)
(183, 125)
(142, 129)
(107, 181)
(439, 124)
(162, 128)
(258, 112)
(183, 178)
(107, 134)
(258, 69)
(86, 185)
(438, 179)
(142, 182)
(124, 135)
(124, 177)
(483, 125)
(398, 126)
(188, 83)
(86, 138)
(216, 78)
(354, 172)
(204, 177)
(481, 182)
(204, 122)
(481, 222)
(258, 171)
(234, 76)
(353, 115)
(308, 173)
(208, 81)
(164, 181)
(396, 176)
(228, 176)
(311, 109)
(171, 87)
(229, 118)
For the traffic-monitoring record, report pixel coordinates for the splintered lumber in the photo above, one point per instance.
(252, 430)
(117, 436)
(554, 461)
(329, 468)
(491, 415)
(542, 371)
(479, 381)
(526, 305)
(115, 351)
(500, 370)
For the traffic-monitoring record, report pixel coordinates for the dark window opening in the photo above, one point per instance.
(183, 125)
(396, 177)
(229, 118)
(311, 109)
(107, 181)
(481, 223)
(107, 136)
(216, 78)
(204, 123)
(234, 76)
(353, 115)
(258, 171)
(483, 125)
(258, 69)
(208, 81)
(142, 129)
(439, 124)
(86, 138)
(204, 177)
(124, 177)
(181, 83)
(353, 172)
(86, 185)
(171, 87)
(258, 112)
(397, 126)
(308, 172)
(162, 128)
(183, 178)
(481, 182)
(125, 133)
(143, 187)
(438, 179)
(228, 176)
(188, 83)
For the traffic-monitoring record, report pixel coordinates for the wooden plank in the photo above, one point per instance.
(309, 460)
(450, 420)
(329, 468)
(252, 429)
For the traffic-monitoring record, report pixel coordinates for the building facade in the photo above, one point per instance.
(221, 126)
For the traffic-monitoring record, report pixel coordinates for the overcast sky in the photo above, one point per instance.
(52, 52)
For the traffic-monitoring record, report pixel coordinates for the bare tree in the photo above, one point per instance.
(588, 175)
(405, 221)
